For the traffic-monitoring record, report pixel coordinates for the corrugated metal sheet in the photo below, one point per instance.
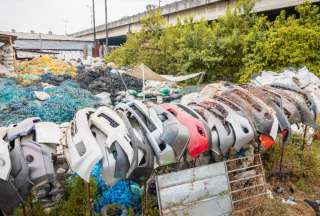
(195, 191)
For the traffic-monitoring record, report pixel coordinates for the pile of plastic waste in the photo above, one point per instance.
(62, 102)
(124, 193)
(31, 71)
(97, 79)
(132, 139)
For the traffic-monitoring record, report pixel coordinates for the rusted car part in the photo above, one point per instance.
(199, 137)
(304, 103)
(152, 129)
(211, 190)
(174, 133)
(273, 100)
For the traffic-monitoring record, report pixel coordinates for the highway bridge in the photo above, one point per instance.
(199, 9)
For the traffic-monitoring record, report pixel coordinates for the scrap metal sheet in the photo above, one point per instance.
(202, 191)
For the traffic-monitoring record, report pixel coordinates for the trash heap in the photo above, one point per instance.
(97, 80)
(57, 104)
(133, 139)
(33, 70)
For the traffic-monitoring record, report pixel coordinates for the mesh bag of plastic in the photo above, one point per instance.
(18, 103)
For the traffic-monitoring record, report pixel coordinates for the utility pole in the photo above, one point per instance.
(94, 23)
(106, 14)
(159, 4)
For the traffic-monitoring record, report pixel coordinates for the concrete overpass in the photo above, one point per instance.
(199, 9)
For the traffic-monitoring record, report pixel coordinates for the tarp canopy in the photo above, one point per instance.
(181, 78)
(143, 72)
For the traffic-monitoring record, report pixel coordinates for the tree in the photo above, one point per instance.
(287, 42)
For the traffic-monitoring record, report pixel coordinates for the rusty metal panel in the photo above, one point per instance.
(202, 191)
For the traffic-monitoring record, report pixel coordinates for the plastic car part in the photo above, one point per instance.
(266, 141)
(262, 116)
(112, 136)
(38, 159)
(37, 156)
(316, 100)
(143, 159)
(22, 129)
(240, 125)
(152, 128)
(290, 109)
(196, 115)
(19, 185)
(303, 102)
(82, 152)
(5, 161)
(199, 137)
(273, 100)
(174, 133)
(49, 135)
(189, 110)
(221, 131)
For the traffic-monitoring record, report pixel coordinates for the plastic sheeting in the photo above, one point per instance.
(18, 102)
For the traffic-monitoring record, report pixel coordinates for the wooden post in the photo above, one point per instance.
(4, 212)
(87, 186)
(281, 157)
(24, 210)
(304, 141)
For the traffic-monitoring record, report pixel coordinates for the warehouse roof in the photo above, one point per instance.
(7, 38)
(38, 36)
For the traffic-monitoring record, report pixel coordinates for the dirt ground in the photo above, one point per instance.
(301, 208)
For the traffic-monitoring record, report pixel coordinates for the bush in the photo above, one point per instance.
(233, 48)
(286, 42)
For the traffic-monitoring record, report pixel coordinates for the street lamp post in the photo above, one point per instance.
(94, 23)
(106, 14)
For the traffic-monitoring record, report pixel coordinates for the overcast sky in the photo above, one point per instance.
(58, 15)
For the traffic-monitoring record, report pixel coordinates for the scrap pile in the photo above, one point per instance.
(31, 71)
(224, 119)
(50, 103)
(97, 79)
(6, 58)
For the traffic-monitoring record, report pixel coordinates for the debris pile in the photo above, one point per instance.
(133, 139)
(33, 70)
(18, 102)
(98, 80)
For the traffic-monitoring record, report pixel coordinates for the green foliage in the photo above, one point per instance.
(150, 206)
(75, 201)
(287, 42)
(190, 46)
(232, 48)
(304, 163)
